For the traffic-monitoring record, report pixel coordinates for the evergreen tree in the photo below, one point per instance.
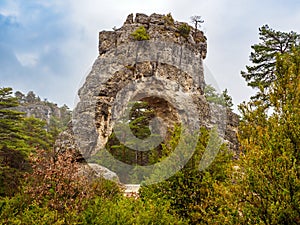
(261, 74)
(192, 193)
(20, 96)
(227, 99)
(11, 121)
(213, 96)
(12, 143)
(19, 137)
(268, 186)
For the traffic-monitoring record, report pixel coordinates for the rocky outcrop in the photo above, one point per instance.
(99, 171)
(160, 28)
(40, 111)
(165, 71)
(44, 110)
(231, 132)
(66, 142)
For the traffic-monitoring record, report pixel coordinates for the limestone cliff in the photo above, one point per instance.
(44, 110)
(164, 68)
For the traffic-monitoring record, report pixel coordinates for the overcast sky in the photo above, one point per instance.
(49, 46)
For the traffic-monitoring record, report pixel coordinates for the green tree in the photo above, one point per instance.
(10, 120)
(268, 184)
(31, 97)
(20, 96)
(19, 136)
(261, 74)
(35, 134)
(13, 147)
(194, 194)
(213, 96)
(227, 99)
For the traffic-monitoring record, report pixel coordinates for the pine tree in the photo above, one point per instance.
(12, 144)
(212, 96)
(19, 137)
(261, 74)
(269, 180)
(227, 99)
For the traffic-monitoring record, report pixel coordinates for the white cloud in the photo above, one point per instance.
(27, 59)
(8, 12)
(10, 8)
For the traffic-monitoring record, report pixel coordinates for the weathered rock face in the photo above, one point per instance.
(47, 111)
(66, 142)
(165, 71)
(99, 171)
(40, 111)
(159, 27)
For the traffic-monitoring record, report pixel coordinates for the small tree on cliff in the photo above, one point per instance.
(196, 20)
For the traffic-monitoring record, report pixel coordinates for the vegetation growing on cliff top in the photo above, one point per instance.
(184, 30)
(140, 34)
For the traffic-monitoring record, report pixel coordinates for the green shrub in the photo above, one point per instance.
(184, 30)
(195, 195)
(106, 189)
(99, 210)
(11, 207)
(169, 19)
(140, 34)
(18, 210)
(128, 211)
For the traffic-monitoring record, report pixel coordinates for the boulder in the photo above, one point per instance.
(99, 171)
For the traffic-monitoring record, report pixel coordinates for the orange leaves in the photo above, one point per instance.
(55, 181)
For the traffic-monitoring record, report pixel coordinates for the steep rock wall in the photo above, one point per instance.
(166, 71)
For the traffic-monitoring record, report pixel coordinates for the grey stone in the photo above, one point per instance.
(100, 171)
(107, 40)
(129, 19)
(141, 18)
(157, 19)
(173, 64)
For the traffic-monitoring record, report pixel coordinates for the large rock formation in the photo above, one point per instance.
(165, 71)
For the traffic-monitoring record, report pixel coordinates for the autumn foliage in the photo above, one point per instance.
(57, 182)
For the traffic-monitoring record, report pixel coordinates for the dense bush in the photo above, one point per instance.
(55, 182)
(169, 19)
(56, 193)
(128, 211)
(121, 210)
(193, 194)
(184, 30)
(140, 34)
